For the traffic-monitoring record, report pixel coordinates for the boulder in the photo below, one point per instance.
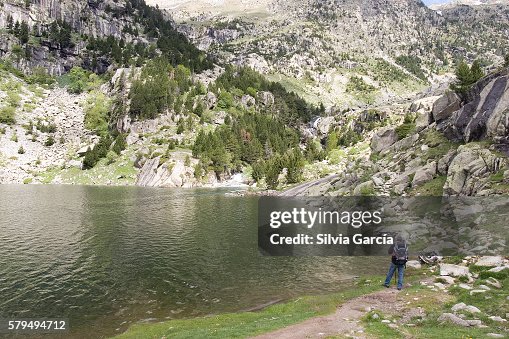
(497, 319)
(458, 307)
(453, 270)
(423, 119)
(471, 309)
(210, 100)
(424, 174)
(490, 261)
(266, 98)
(454, 319)
(465, 286)
(415, 264)
(445, 161)
(383, 139)
(485, 115)
(247, 101)
(445, 106)
(470, 164)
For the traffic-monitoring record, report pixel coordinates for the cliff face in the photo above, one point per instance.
(85, 18)
(485, 115)
(57, 35)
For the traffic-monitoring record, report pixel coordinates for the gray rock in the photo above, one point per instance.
(424, 174)
(472, 309)
(444, 162)
(414, 264)
(474, 322)
(210, 100)
(458, 307)
(247, 101)
(266, 98)
(452, 318)
(383, 139)
(453, 270)
(495, 335)
(445, 106)
(472, 292)
(465, 286)
(497, 319)
(490, 261)
(470, 164)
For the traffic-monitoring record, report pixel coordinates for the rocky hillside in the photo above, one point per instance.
(442, 145)
(344, 53)
(96, 35)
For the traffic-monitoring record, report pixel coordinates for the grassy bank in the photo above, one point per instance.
(415, 315)
(246, 324)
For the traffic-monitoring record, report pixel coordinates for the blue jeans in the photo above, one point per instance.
(392, 269)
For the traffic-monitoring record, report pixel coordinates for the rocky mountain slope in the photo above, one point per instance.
(443, 146)
(98, 35)
(322, 48)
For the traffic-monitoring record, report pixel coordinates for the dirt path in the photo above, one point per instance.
(346, 321)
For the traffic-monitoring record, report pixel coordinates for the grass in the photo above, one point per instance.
(432, 188)
(244, 324)
(247, 324)
(434, 303)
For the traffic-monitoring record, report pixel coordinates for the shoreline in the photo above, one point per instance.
(430, 305)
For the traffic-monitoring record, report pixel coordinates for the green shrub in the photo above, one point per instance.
(50, 141)
(502, 275)
(97, 109)
(7, 115)
(111, 157)
(21, 150)
(405, 130)
(40, 76)
(78, 78)
(92, 156)
(225, 100)
(120, 143)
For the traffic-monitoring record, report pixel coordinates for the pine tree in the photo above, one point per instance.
(10, 24)
(23, 33)
(476, 71)
(332, 141)
(466, 77)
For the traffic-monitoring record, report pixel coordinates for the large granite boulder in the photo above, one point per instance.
(471, 163)
(445, 106)
(383, 139)
(485, 115)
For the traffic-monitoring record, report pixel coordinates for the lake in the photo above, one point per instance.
(108, 257)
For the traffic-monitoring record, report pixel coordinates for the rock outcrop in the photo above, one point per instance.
(485, 115)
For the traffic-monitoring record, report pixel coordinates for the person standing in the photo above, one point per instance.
(399, 253)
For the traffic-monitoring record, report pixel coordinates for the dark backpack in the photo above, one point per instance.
(400, 254)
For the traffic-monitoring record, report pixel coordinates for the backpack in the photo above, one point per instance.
(400, 254)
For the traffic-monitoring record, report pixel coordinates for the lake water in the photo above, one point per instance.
(108, 257)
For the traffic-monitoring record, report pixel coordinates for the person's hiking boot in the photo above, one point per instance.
(386, 285)
(400, 288)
